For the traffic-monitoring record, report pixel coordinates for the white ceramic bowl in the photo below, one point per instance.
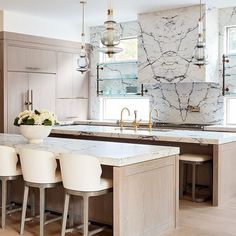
(35, 133)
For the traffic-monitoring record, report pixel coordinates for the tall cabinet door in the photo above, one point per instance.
(65, 75)
(17, 89)
(43, 91)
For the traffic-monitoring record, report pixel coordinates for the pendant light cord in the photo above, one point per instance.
(83, 18)
(110, 4)
(200, 10)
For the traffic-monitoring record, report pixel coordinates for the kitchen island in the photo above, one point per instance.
(222, 146)
(145, 183)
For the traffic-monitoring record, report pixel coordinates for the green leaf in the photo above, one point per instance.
(25, 120)
(16, 121)
(29, 122)
(36, 112)
(47, 122)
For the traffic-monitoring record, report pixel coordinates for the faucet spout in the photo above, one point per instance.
(121, 116)
(150, 117)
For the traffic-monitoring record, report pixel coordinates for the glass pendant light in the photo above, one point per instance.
(200, 55)
(110, 36)
(83, 61)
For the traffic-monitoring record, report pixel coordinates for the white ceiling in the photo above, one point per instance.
(124, 10)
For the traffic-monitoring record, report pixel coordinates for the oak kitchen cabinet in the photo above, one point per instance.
(72, 89)
(43, 69)
(31, 60)
(71, 83)
(72, 109)
(31, 90)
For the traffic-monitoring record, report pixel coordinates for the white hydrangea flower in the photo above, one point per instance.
(39, 119)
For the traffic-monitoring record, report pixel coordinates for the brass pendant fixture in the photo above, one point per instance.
(110, 37)
(83, 61)
(200, 55)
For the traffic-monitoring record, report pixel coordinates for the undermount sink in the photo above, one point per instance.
(143, 129)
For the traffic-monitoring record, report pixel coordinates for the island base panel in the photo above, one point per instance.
(224, 173)
(146, 197)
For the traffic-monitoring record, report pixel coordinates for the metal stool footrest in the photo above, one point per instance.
(46, 222)
(79, 228)
(76, 228)
(14, 210)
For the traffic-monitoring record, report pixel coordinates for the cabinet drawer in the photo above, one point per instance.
(16, 60)
(72, 109)
(41, 61)
(31, 60)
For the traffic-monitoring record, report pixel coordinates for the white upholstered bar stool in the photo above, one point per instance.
(9, 170)
(39, 170)
(193, 160)
(81, 176)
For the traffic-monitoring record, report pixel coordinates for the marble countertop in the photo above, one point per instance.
(171, 135)
(90, 122)
(221, 128)
(108, 153)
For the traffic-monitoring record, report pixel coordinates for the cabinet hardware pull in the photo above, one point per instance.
(32, 68)
(27, 103)
(32, 99)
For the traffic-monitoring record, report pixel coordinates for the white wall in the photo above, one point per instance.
(1, 20)
(52, 28)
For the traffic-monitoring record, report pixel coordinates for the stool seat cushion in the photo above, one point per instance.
(105, 184)
(195, 157)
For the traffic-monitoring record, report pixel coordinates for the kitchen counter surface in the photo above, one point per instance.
(221, 128)
(108, 153)
(90, 122)
(186, 136)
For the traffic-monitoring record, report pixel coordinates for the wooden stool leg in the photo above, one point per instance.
(71, 212)
(194, 183)
(181, 181)
(185, 177)
(211, 179)
(4, 202)
(86, 217)
(65, 213)
(26, 192)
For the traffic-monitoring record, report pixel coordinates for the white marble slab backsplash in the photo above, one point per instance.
(171, 99)
(166, 46)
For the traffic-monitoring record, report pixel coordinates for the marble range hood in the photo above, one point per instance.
(166, 46)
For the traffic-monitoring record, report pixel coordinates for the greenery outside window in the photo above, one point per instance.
(230, 111)
(129, 53)
(231, 40)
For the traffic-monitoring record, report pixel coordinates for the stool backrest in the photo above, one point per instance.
(80, 172)
(38, 166)
(8, 161)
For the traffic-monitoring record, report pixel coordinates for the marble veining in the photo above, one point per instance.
(166, 46)
(186, 136)
(108, 153)
(172, 101)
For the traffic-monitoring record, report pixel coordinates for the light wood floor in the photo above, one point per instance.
(204, 220)
(195, 220)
